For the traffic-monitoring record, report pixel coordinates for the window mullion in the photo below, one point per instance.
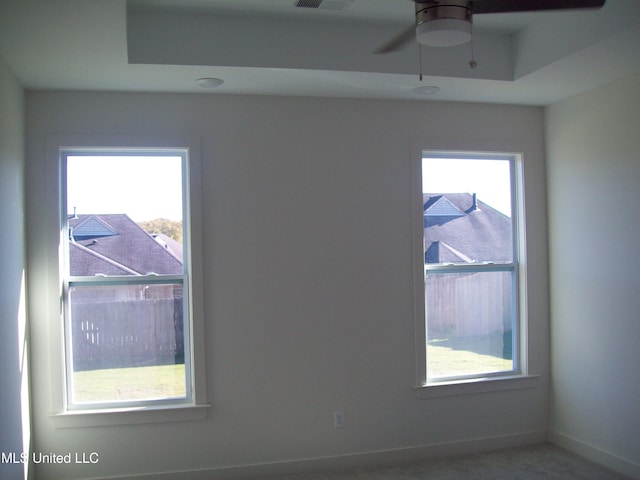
(474, 267)
(127, 280)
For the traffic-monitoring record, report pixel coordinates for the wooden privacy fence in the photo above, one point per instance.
(468, 304)
(130, 333)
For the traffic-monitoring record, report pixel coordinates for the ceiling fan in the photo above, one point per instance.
(445, 23)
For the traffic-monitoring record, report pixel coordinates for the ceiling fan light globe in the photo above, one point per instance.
(209, 82)
(443, 32)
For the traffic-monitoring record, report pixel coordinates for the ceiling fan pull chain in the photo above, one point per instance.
(472, 62)
(420, 59)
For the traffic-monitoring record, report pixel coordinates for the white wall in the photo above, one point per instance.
(593, 155)
(14, 414)
(307, 278)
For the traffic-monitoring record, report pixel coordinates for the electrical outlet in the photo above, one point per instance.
(338, 419)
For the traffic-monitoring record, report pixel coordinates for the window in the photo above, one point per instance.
(126, 279)
(469, 260)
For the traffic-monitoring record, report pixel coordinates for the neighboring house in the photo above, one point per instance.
(459, 228)
(173, 246)
(124, 325)
(113, 244)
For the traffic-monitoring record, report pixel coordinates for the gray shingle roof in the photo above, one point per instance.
(472, 235)
(129, 251)
(86, 262)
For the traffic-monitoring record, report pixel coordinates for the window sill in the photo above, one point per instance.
(129, 416)
(482, 385)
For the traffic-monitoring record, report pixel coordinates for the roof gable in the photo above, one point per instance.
(442, 207)
(93, 227)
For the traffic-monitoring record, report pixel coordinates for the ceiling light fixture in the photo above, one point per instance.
(209, 82)
(427, 90)
(443, 25)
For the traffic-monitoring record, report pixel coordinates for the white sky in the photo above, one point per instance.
(490, 179)
(144, 188)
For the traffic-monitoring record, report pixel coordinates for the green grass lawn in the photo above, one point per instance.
(448, 361)
(137, 383)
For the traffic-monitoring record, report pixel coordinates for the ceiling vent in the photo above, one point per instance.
(308, 3)
(323, 4)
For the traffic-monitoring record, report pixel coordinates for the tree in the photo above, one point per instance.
(171, 228)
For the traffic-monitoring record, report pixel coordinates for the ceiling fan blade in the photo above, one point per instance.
(399, 40)
(501, 6)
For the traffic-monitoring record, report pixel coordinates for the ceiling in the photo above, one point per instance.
(272, 47)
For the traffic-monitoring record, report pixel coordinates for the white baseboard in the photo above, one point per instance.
(371, 458)
(597, 455)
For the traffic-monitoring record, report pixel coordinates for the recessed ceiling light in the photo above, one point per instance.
(427, 90)
(209, 82)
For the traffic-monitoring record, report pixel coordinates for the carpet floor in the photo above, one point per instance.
(526, 463)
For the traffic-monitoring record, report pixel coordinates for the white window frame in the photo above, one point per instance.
(519, 377)
(194, 406)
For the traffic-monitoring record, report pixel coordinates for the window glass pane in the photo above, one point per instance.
(124, 215)
(127, 337)
(127, 342)
(469, 297)
(467, 210)
(469, 323)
